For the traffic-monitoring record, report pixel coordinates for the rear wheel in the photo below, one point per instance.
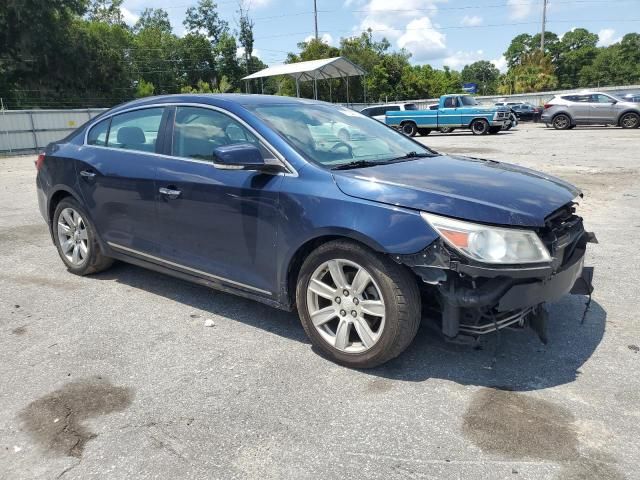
(424, 131)
(561, 122)
(75, 238)
(357, 307)
(409, 128)
(630, 120)
(480, 126)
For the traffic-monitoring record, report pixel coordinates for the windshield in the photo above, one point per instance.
(334, 136)
(469, 101)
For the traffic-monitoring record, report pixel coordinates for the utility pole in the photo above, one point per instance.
(315, 17)
(544, 24)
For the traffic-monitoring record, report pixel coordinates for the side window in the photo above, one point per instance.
(137, 130)
(411, 106)
(601, 98)
(98, 134)
(198, 132)
(392, 108)
(450, 102)
(366, 111)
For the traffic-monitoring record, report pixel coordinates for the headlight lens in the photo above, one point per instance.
(489, 244)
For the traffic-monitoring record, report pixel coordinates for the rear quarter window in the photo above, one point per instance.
(98, 133)
(411, 106)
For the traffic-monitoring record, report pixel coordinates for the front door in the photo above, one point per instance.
(603, 109)
(216, 223)
(117, 178)
(449, 115)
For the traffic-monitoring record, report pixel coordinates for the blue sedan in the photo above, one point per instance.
(362, 234)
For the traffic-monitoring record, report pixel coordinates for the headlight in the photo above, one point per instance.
(489, 244)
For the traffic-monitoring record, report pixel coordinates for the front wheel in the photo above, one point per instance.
(480, 127)
(630, 120)
(409, 129)
(357, 307)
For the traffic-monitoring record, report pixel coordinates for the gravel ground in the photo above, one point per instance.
(116, 375)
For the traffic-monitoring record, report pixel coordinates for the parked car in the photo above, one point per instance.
(379, 111)
(235, 192)
(454, 111)
(590, 108)
(527, 112)
(632, 97)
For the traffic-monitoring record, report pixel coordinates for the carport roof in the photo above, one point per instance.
(336, 67)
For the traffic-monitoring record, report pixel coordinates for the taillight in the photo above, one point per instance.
(548, 105)
(40, 161)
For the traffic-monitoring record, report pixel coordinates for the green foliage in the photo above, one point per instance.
(153, 18)
(107, 11)
(205, 17)
(144, 89)
(484, 73)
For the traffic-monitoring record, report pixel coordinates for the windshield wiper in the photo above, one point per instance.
(410, 155)
(356, 164)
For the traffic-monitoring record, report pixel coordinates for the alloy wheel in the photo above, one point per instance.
(346, 306)
(630, 120)
(73, 237)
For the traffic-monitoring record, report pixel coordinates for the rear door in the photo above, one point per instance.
(220, 224)
(117, 177)
(580, 107)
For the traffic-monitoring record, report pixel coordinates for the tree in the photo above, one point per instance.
(535, 73)
(205, 17)
(484, 73)
(245, 34)
(227, 60)
(519, 46)
(144, 89)
(153, 18)
(107, 11)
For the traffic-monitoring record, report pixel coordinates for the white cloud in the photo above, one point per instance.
(607, 37)
(324, 38)
(255, 52)
(422, 40)
(128, 16)
(500, 63)
(519, 9)
(461, 58)
(408, 25)
(471, 21)
(259, 3)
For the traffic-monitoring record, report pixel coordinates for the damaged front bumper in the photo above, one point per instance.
(475, 299)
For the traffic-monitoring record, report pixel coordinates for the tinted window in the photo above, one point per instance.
(392, 108)
(98, 134)
(434, 107)
(411, 106)
(199, 131)
(599, 98)
(137, 130)
(367, 111)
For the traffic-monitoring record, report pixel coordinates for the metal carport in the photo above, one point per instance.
(313, 70)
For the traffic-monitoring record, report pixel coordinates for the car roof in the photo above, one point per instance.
(219, 100)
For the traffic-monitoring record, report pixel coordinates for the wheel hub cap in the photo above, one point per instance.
(73, 237)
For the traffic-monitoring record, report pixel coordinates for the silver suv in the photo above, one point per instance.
(590, 108)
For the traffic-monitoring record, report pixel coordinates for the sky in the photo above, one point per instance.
(436, 32)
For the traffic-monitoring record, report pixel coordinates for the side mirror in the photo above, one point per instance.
(242, 156)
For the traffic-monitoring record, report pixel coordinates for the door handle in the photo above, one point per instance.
(87, 174)
(170, 193)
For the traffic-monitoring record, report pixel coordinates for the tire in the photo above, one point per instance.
(561, 122)
(424, 131)
(446, 130)
(389, 331)
(344, 135)
(479, 126)
(630, 120)
(508, 127)
(85, 255)
(494, 130)
(409, 129)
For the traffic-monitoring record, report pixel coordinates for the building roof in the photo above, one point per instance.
(336, 67)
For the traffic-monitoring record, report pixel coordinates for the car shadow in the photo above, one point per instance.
(513, 360)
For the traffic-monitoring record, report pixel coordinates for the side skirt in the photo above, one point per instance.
(216, 285)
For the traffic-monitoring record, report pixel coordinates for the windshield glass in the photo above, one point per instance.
(469, 101)
(334, 136)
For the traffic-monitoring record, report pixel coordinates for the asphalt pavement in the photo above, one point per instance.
(116, 375)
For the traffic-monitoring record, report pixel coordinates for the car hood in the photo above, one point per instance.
(467, 188)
